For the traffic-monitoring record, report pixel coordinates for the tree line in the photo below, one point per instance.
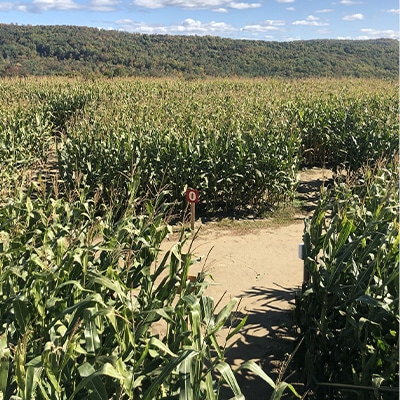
(90, 52)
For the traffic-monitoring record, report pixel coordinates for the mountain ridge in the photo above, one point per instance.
(71, 50)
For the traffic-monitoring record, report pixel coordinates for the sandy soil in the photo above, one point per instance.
(260, 266)
(262, 269)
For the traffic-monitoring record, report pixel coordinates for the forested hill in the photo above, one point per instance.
(70, 50)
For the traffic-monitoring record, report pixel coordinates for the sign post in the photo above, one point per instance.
(192, 197)
(302, 256)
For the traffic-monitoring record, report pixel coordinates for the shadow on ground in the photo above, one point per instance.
(309, 193)
(267, 338)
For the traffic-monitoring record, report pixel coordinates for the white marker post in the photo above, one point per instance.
(302, 256)
(192, 197)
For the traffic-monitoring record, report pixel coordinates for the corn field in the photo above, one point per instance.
(92, 172)
(348, 314)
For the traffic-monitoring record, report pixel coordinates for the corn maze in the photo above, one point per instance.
(92, 173)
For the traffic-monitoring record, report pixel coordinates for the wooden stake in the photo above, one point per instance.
(192, 215)
(192, 197)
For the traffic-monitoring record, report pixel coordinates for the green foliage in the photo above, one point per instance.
(84, 287)
(238, 150)
(175, 135)
(83, 298)
(349, 131)
(240, 142)
(25, 137)
(72, 51)
(349, 313)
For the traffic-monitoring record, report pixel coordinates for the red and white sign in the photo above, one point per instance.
(192, 196)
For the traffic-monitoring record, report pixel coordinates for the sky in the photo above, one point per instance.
(271, 20)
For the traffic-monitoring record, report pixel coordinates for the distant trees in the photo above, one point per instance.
(66, 50)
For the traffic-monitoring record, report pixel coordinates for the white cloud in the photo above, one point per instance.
(188, 26)
(274, 22)
(350, 2)
(285, 1)
(393, 11)
(7, 6)
(353, 17)
(140, 27)
(220, 10)
(369, 33)
(191, 25)
(290, 9)
(103, 5)
(153, 4)
(310, 21)
(63, 5)
(259, 28)
(325, 10)
(377, 34)
(44, 5)
(195, 4)
(265, 26)
(243, 6)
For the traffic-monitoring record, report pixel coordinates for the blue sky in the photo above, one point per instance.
(281, 20)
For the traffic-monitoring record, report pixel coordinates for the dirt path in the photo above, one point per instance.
(261, 267)
(263, 270)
